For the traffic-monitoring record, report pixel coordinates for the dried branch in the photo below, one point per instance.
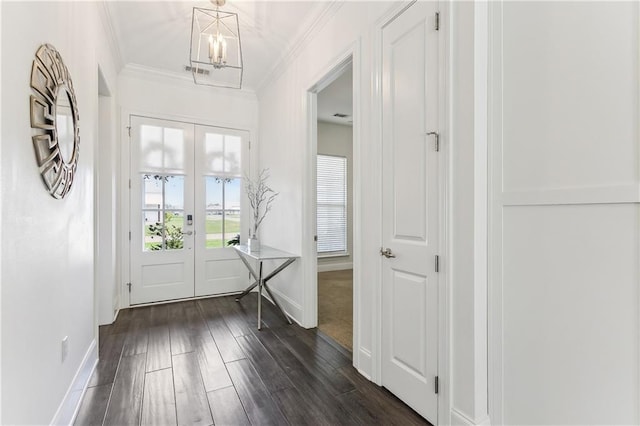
(261, 196)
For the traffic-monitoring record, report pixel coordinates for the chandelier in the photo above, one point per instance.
(216, 51)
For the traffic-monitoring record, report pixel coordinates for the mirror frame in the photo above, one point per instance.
(49, 79)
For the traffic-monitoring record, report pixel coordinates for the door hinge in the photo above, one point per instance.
(437, 263)
(129, 235)
(437, 385)
(129, 285)
(249, 145)
(129, 130)
(437, 137)
(129, 183)
(315, 238)
(437, 21)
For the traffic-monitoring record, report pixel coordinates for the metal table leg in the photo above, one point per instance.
(275, 301)
(253, 274)
(260, 284)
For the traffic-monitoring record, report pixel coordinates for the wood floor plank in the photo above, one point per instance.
(103, 332)
(159, 404)
(159, 315)
(312, 390)
(179, 332)
(232, 316)
(159, 348)
(194, 320)
(375, 396)
(269, 370)
(257, 402)
(137, 339)
(125, 404)
(248, 308)
(192, 405)
(227, 408)
(214, 373)
(334, 356)
(123, 322)
(226, 343)
(316, 364)
(297, 411)
(93, 406)
(110, 353)
(359, 408)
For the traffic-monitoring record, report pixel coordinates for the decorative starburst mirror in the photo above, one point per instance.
(54, 120)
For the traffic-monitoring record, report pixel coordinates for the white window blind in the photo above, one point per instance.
(332, 204)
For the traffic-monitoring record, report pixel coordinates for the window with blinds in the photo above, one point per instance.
(332, 205)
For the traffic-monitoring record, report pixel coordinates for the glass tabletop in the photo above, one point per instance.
(265, 253)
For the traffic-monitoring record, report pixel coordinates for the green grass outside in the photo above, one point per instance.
(213, 225)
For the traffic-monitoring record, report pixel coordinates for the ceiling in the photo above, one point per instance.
(337, 98)
(156, 34)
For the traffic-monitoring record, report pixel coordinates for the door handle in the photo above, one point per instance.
(187, 233)
(386, 253)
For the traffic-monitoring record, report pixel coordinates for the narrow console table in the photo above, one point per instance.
(265, 253)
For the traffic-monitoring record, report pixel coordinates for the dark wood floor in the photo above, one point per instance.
(204, 362)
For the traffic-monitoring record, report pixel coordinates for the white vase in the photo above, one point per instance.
(253, 243)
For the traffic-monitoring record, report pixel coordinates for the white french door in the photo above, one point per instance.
(410, 208)
(186, 205)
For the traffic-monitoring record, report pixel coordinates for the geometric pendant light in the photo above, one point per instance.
(216, 50)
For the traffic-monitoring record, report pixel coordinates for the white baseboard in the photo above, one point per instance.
(364, 363)
(70, 404)
(293, 309)
(328, 267)
(459, 418)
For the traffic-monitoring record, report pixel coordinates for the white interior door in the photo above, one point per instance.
(187, 203)
(410, 208)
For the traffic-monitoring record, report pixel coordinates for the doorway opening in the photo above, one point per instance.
(334, 207)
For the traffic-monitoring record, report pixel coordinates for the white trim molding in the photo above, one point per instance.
(326, 75)
(108, 24)
(337, 266)
(293, 309)
(460, 419)
(68, 409)
(312, 27)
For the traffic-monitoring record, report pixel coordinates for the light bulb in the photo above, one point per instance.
(222, 42)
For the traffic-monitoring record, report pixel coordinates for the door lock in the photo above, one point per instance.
(187, 233)
(386, 253)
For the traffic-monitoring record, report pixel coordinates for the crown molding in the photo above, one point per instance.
(107, 24)
(178, 79)
(313, 27)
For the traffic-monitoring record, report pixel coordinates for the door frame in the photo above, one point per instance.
(327, 75)
(124, 198)
(445, 210)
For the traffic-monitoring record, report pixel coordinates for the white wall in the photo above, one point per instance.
(565, 213)
(107, 293)
(106, 200)
(284, 149)
(336, 139)
(47, 244)
(149, 93)
(145, 91)
(468, 139)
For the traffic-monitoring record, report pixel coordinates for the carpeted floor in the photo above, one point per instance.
(335, 306)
